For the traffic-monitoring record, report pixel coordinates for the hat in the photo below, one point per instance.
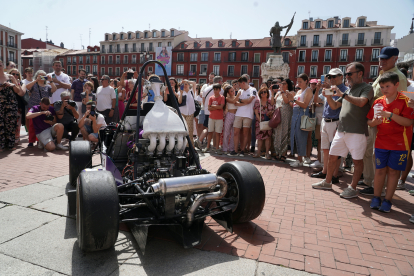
(313, 81)
(388, 52)
(335, 72)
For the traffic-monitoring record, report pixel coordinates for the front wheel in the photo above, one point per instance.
(246, 188)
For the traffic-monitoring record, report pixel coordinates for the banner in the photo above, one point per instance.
(164, 55)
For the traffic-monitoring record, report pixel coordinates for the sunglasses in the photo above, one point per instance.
(332, 77)
(15, 74)
(350, 73)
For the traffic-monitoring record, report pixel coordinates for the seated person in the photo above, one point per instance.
(46, 129)
(67, 116)
(90, 125)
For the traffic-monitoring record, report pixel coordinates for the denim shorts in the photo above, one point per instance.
(90, 131)
(206, 117)
(201, 117)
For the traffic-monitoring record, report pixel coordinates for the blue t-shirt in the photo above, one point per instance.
(38, 122)
(151, 95)
(77, 86)
(328, 112)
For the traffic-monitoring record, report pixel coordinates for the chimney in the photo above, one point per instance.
(62, 45)
(336, 19)
(311, 19)
(412, 29)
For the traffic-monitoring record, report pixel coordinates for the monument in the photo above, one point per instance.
(275, 67)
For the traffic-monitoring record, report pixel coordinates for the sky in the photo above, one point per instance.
(70, 21)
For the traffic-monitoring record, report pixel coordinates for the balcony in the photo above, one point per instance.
(102, 61)
(134, 50)
(69, 62)
(329, 43)
(80, 61)
(110, 51)
(151, 49)
(203, 73)
(302, 44)
(316, 43)
(375, 59)
(110, 62)
(1, 42)
(103, 51)
(312, 75)
(95, 73)
(372, 76)
(344, 42)
(126, 50)
(118, 51)
(328, 59)
(230, 74)
(217, 60)
(12, 45)
(302, 59)
(95, 61)
(256, 74)
(181, 73)
(74, 62)
(134, 61)
(360, 42)
(118, 62)
(377, 41)
(342, 59)
(142, 50)
(87, 61)
(125, 62)
(359, 58)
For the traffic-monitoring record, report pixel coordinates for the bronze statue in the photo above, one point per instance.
(275, 34)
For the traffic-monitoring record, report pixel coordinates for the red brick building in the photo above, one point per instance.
(10, 45)
(74, 60)
(31, 43)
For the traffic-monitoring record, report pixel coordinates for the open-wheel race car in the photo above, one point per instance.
(151, 175)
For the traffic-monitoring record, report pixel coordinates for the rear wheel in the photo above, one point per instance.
(246, 188)
(80, 158)
(97, 210)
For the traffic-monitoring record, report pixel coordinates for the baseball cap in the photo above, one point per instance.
(335, 72)
(313, 81)
(388, 52)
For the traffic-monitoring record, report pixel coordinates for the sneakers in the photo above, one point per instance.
(219, 152)
(335, 180)
(385, 206)
(197, 143)
(375, 202)
(349, 193)
(30, 145)
(319, 175)
(61, 147)
(233, 153)
(323, 185)
(306, 160)
(369, 191)
(206, 150)
(40, 145)
(241, 153)
(400, 185)
(296, 164)
(316, 164)
(411, 219)
(362, 183)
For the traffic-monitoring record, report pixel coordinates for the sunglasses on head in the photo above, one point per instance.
(350, 73)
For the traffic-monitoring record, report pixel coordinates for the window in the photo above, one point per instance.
(358, 54)
(373, 72)
(114, 37)
(243, 69)
(313, 71)
(146, 35)
(126, 50)
(88, 59)
(95, 69)
(110, 71)
(106, 37)
(361, 37)
(315, 55)
(217, 56)
(182, 45)
(303, 40)
(302, 56)
(118, 60)
(180, 57)
(204, 56)
(203, 69)
(326, 69)
(232, 56)
(162, 33)
(102, 70)
(136, 35)
(328, 55)
(150, 47)
(118, 48)
(129, 36)
(69, 60)
(122, 36)
(74, 69)
(287, 42)
(193, 70)
(216, 70)
(134, 59)
(329, 40)
(361, 22)
(69, 67)
(220, 43)
(117, 71)
(202, 81)
(285, 56)
(316, 40)
(375, 54)
(317, 24)
(377, 38)
(301, 70)
(256, 71)
(195, 45)
(154, 34)
(346, 23)
(345, 39)
(125, 59)
(74, 60)
(193, 57)
(230, 71)
(88, 68)
(31, 62)
(172, 32)
(110, 60)
(142, 47)
(110, 49)
(103, 49)
(95, 59)
(159, 44)
(247, 43)
(180, 69)
(305, 25)
(342, 68)
(343, 55)
(244, 56)
(80, 59)
(233, 43)
(330, 24)
(256, 57)
(169, 44)
(134, 47)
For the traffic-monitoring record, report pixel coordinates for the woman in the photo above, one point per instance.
(187, 106)
(21, 117)
(40, 89)
(114, 85)
(229, 104)
(167, 94)
(281, 134)
(121, 99)
(301, 103)
(95, 82)
(9, 89)
(87, 95)
(263, 109)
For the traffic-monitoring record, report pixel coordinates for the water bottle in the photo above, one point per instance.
(377, 109)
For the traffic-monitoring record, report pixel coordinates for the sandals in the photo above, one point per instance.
(267, 156)
(256, 155)
(282, 158)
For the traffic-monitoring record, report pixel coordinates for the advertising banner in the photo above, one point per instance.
(164, 55)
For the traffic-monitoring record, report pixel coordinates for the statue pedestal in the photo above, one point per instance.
(274, 67)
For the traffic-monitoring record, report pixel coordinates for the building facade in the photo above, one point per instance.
(335, 42)
(10, 45)
(31, 43)
(74, 60)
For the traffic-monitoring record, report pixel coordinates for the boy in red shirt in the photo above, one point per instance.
(215, 121)
(394, 135)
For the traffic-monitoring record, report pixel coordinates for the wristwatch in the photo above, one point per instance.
(343, 96)
(112, 108)
(389, 118)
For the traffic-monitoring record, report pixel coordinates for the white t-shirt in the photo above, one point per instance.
(25, 81)
(100, 120)
(207, 90)
(104, 96)
(247, 110)
(189, 107)
(62, 78)
(410, 88)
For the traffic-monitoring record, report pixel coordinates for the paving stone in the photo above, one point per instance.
(13, 266)
(265, 269)
(16, 220)
(57, 182)
(31, 194)
(57, 205)
(2, 205)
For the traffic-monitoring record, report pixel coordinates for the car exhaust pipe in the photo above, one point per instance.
(184, 184)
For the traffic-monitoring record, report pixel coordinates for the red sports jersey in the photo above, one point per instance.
(390, 135)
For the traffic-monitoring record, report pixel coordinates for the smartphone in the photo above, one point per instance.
(181, 86)
(43, 78)
(129, 75)
(53, 76)
(322, 79)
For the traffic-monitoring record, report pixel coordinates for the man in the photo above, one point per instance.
(77, 89)
(106, 99)
(10, 65)
(67, 116)
(251, 136)
(60, 79)
(89, 77)
(329, 124)
(316, 85)
(387, 63)
(352, 127)
(244, 116)
(269, 83)
(46, 129)
(235, 84)
(91, 123)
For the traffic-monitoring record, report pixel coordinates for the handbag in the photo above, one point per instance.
(265, 124)
(306, 123)
(276, 118)
(197, 106)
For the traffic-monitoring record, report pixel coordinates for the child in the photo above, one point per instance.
(393, 140)
(87, 96)
(231, 99)
(215, 121)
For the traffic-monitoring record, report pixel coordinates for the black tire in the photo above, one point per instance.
(97, 210)
(80, 158)
(250, 187)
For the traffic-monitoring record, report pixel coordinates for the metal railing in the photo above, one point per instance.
(95, 73)
(118, 62)
(359, 58)
(110, 51)
(329, 43)
(377, 41)
(343, 58)
(74, 62)
(327, 59)
(12, 45)
(360, 42)
(126, 50)
(302, 43)
(375, 59)
(102, 61)
(192, 73)
(103, 51)
(316, 43)
(110, 62)
(69, 62)
(344, 42)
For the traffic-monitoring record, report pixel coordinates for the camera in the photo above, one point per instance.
(93, 112)
(275, 86)
(50, 117)
(71, 103)
(130, 75)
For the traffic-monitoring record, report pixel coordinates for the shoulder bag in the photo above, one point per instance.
(265, 124)
(197, 106)
(306, 123)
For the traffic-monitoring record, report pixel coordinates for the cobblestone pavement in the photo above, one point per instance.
(300, 228)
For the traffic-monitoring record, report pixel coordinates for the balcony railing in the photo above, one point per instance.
(1, 42)
(217, 60)
(87, 61)
(118, 51)
(203, 73)
(359, 58)
(69, 62)
(377, 41)
(301, 59)
(314, 59)
(230, 74)
(375, 59)
(255, 74)
(151, 49)
(95, 61)
(103, 51)
(344, 42)
(328, 59)
(126, 50)
(181, 73)
(329, 43)
(316, 43)
(118, 62)
(302, 44)
(102, 61)
(74, 62)
(360, 42)
(134, 61)
(134, 50)
(12, 45)
(80, 61)
(343, 58)
(95, 73)
(125, 62)
(312, 75)
(110, 51)
(110, 62)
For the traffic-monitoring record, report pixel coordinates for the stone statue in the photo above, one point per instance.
(276, 38)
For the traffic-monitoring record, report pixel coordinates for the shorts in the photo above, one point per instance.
(206, 117)
(47, 135)
(354, 143)
(200, 117)
(328, 130)
(395, 159)
(90, 131)
(215, 125)
(240, 122)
